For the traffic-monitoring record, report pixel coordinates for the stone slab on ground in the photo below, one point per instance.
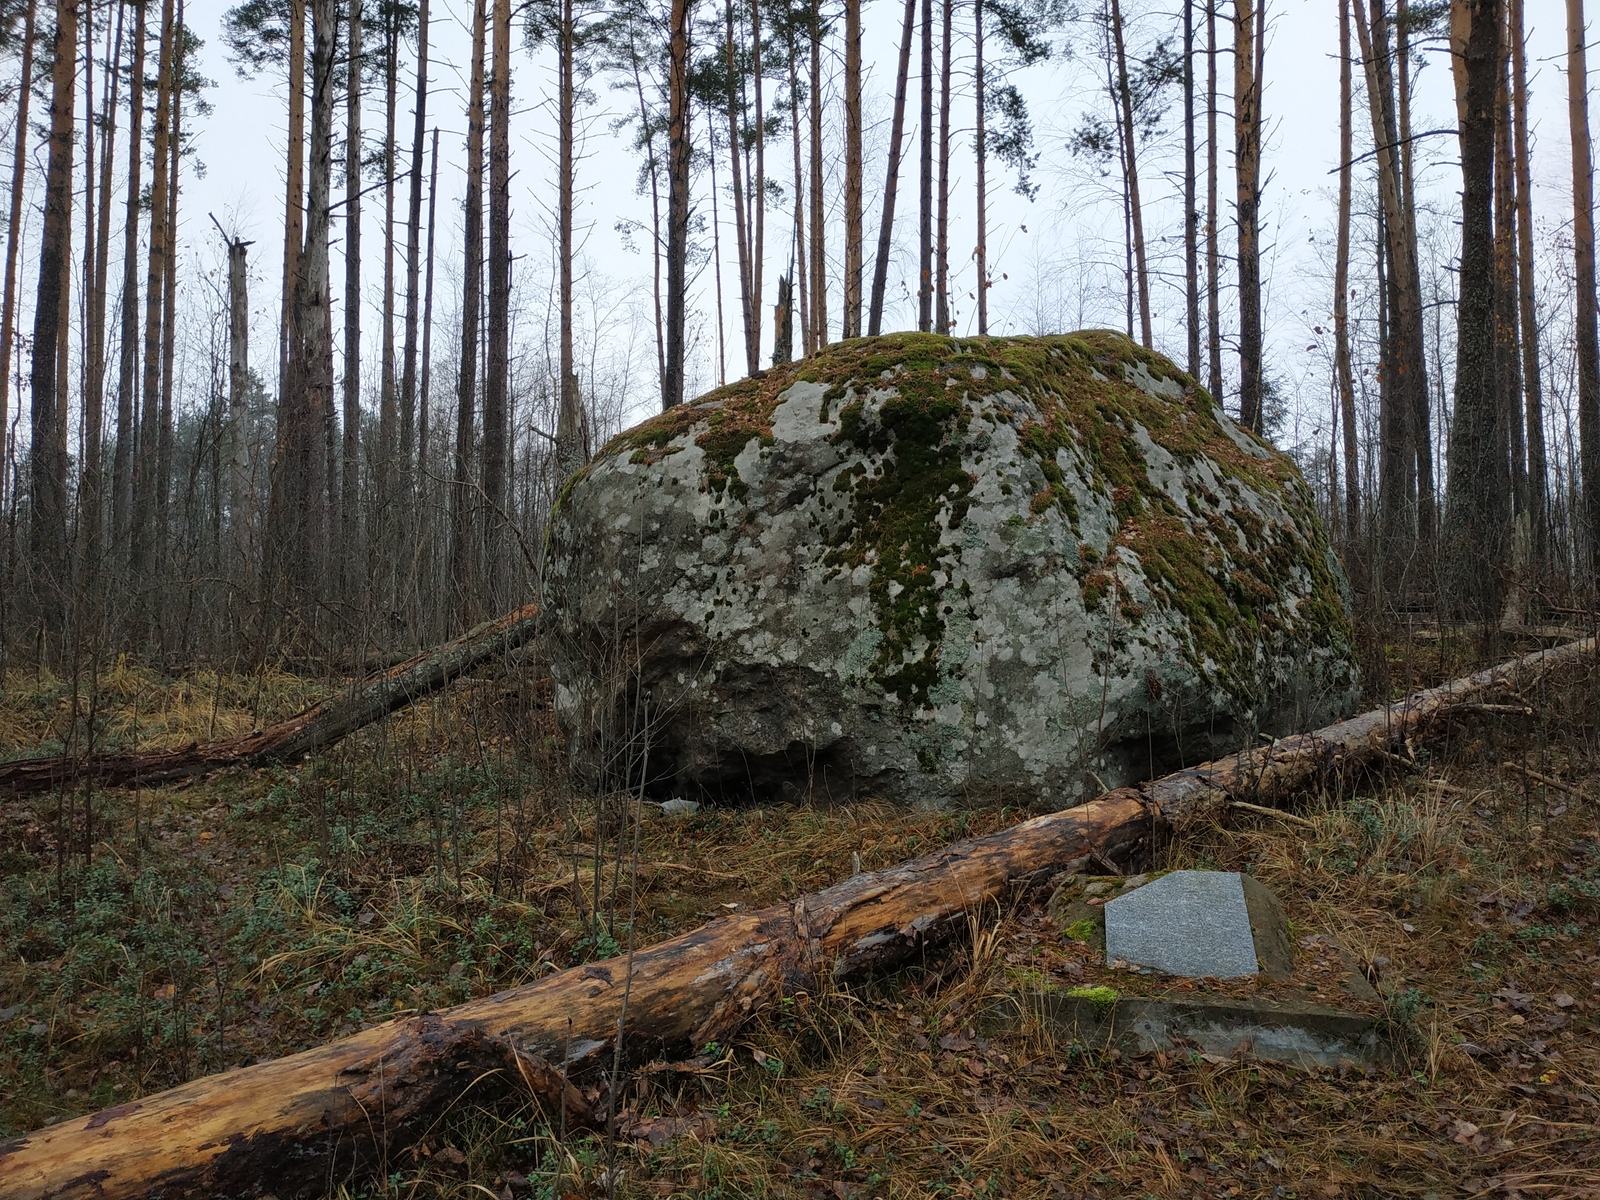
(1191, 923)
(1302, 1035)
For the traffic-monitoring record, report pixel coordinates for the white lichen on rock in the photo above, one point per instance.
(930, 568)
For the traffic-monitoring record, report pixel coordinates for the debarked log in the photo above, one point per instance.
(301, 1120)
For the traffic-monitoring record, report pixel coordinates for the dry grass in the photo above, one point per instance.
(440, 856)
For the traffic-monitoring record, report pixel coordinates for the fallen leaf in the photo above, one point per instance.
(1563, 1000)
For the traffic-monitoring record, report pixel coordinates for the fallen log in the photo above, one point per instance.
(316, 728)
(302, 1120)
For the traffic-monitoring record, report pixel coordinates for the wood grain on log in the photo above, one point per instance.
(307, 732)
(301, 1120)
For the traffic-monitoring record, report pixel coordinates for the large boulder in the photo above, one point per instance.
(930, 568)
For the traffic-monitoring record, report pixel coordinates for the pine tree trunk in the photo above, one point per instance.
(1420, 429)
(925, 179)
(385, 545)
(1476, 502)
(463, 560)
(1131, 163)
(749, 315)
(1538, 512)
(238, 413)
(1588, 340)
(678, 161)
(91, 496)
(128, 351)
(169, 313)
(19, 165)
(351, 556)
(313, 348)
(819, 258)
(758, 180)
(802, 268)
(408, 353)
(1405, 476)
(294, 181)
(1247, 161)
(1341, 293)
(1214, 381)
(145, 483)
(498, 367)
(1507, 337)
(1191, 212)
(853, 168)
(48, 460)
(880, 265)
(421, 577)
(572, 450)
(941, 250)
(980, 151)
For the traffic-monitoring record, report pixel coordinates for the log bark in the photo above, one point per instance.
(301, 1120)
(307, 732)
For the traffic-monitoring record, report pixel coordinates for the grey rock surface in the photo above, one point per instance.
(1193, 923)
(932, 569)
(1302, 1035)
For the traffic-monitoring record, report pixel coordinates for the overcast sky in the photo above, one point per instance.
(1056, 260)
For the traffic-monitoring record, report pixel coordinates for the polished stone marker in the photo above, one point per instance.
(1192, 923)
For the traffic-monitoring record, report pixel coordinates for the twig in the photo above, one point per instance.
(1263, 810)
(1521, 710)
(1568, 788)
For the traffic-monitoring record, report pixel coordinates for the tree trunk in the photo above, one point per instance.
(312, 352)
(421, 574)
(941, 248)
(802, 268)
(1507, 341)
(408, 353)
(122, 455)
(980, 151)
(91, 497)
(819, 258)
(1191, 214)
(1588, 338)
(19, 167)
(1476, 503)
(1247, 160)
(48, 460)
(351, 557)
(294, 181)
(238, 414)
(758, 180)
(498, 368)
(678, 161)
(282, 1119)
(169, 310)
(1213, 257)
(463, 560)
(853, 167)
(880, 265)
(1131, 180)
(572, 449)
(1405, 477)
(1420, 420)
(1538, 518)
(925, 178)
(385, 544)
(307, 732)
(749, 315)
(1341, 291)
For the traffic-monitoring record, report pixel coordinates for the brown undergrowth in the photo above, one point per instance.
(146, 938)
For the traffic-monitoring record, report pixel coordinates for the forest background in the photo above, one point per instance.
(173, 501)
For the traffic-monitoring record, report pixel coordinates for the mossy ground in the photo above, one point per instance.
(1224, 575)
(430, 859)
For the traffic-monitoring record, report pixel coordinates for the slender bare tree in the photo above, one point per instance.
(880, 265)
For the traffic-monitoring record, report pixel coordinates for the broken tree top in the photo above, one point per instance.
(1217, 924)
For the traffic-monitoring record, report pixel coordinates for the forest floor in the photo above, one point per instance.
(147, 937)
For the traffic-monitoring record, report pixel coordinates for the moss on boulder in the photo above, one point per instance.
(932, 567)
